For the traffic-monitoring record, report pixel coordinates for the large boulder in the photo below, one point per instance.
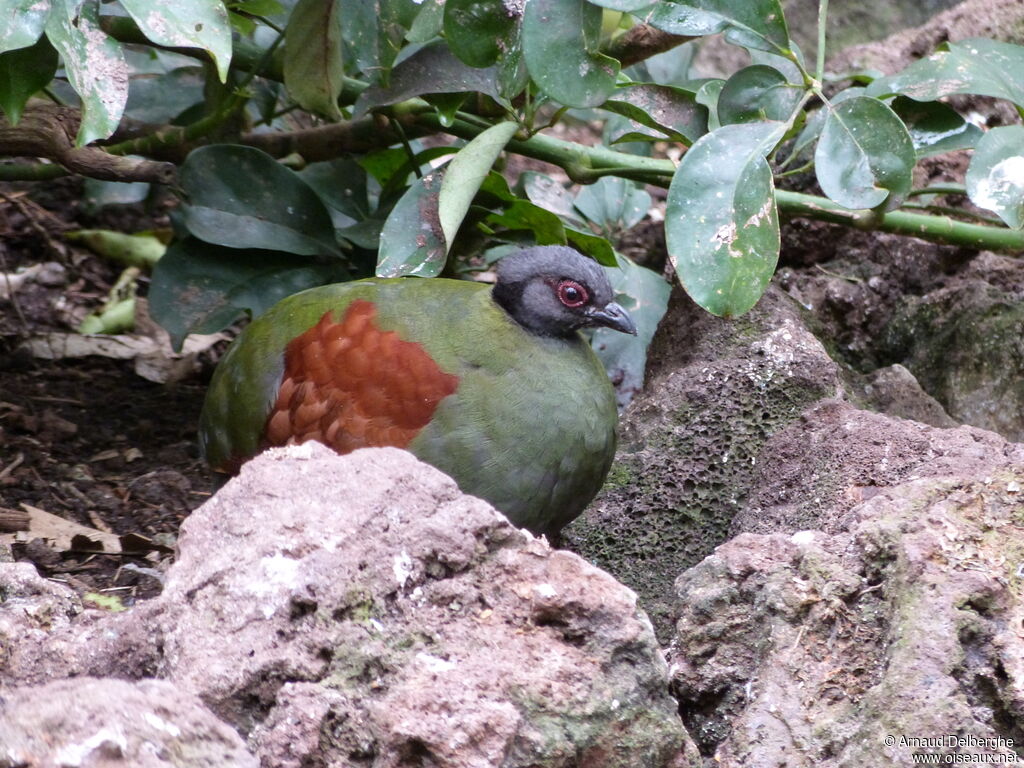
(106, 723)
(339, 610)
(895, 636)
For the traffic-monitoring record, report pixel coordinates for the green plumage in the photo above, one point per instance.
(531, 427)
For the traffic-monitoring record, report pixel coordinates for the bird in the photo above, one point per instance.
(494, 386)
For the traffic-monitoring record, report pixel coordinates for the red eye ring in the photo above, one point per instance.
(572, 294)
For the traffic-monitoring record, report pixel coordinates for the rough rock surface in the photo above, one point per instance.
(688, 445)
(361, 610)
(842, 649)
(996, 19)
(963, 342)
(810, 474)
(105, 723)
(951, 318)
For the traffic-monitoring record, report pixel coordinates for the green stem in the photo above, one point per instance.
(944, 209)
(819, 69)
(31, 171)
(938, 229)
(584, 164)
(939, 189)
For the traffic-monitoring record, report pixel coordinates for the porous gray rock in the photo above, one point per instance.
(895, 391)
(717, 390)
(963, 342)
(855, 648)
(105, 723)
(811, 473)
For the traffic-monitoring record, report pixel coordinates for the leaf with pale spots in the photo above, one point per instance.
(186, 24)
(865, 156)
(995, 177)
(412, 241)
(560, 46)
(976, 66)
(95, 65)
(721, 223)
(758, 24)
(24, 21)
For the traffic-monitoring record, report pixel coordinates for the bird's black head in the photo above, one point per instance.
(554, 291)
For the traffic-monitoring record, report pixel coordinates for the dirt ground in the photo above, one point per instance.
(87, 439)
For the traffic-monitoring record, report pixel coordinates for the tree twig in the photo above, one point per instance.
(48, 130)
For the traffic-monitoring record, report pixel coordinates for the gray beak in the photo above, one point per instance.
(612, 316)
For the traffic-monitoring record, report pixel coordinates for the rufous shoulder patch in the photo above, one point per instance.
(349, 384)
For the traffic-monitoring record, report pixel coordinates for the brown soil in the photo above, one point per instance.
(87, 440)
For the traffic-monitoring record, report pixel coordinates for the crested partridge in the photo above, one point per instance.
(494, 386)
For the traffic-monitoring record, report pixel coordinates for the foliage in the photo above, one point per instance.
(300, 132)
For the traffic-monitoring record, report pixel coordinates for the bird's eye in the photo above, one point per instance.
(572, 294)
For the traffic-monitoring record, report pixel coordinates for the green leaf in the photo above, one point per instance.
(669, 68)
(373, 35)
(258, 7)
(707, 96)
(428, 22)
(757, 93)
(627, 6)
(24, 21)
(447, 105)
(162, 98)
(613, 204)
(934, 127)
(512, 75)
(412, 241)
(243, 24)
(521, 215)
(22, 73)
(465, 174)
(674, 112)
(977, 66)
(110, 603)
(341, 184)
(186, 24)
(95, 65)
(433, 69)
(241, 197)
(865, 156)
(815, 121)
(594, 246)
(198, 287)
(313, 71)
(478, 31)
(142, 250)
(751, 23)
(995, 177)
(560, 46)
(96, 193)
(644, 294)
(361, 45)
(550, 195)
(721, 223)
